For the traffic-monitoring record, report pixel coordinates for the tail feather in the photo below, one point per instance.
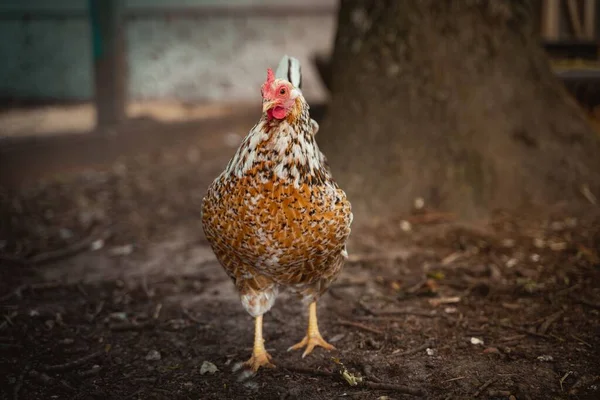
(289, 69)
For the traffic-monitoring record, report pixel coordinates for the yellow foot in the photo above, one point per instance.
(310, 342)
(258, 360)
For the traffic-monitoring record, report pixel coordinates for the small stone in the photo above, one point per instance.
(429, 351)
(491, 350)
(153, 355)
(511, 306)
(120, 168)
(208, 367)
(121, 250)
(545, 358)
(535, 257)
(508, 243)
(65, 233)
(97, 245)
(558, 246)
(34, 313)
(252, 385)
(450, 310)
(118, 316)
(419, 203)
(511, 263)
(476, 341)
(405, 226)
(571, 222)
(393, 70)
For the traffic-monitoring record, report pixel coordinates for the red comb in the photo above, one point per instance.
(270, 79)
(270, 75)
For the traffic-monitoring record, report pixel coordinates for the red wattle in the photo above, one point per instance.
(279, 112)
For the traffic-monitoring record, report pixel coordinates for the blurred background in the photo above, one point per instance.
(116, 115)
(187, 59)
(181, 59)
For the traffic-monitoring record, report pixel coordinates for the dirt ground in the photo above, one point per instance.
(108, 290)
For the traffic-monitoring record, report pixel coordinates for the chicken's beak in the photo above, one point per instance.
(268, 105)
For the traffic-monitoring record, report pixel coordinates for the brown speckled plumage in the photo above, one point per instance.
(275, 217)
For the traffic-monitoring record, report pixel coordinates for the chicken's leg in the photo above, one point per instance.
(313, 336)
(260, 357)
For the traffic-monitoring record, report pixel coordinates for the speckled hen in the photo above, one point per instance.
(275, 217)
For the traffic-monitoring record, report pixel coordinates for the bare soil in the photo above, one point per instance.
(109, 290)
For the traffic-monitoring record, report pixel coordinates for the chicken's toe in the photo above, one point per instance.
(257, 360)
(311, 342)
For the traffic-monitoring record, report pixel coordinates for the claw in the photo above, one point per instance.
(261, 359)
(311, 342)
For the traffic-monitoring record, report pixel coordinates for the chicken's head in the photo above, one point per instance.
(279, 96)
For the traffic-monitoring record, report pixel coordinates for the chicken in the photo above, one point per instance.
(275, 218)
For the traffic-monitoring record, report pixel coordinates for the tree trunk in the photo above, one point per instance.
(454, 102)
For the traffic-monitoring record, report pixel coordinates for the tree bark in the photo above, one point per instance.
(454, 102)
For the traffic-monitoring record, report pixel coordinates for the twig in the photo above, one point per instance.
(513, 338)
(339, 285)
(17, 292)
(431, 217)
(444, 300)
(82, 290)
(309, 371)
(19, 383)
(371, 385)
(12, 259)
(424, 346)
(586, 302)
(379, 256)
(390, 313)
(188, 314)
(147, 291)
(561, 381)
(131, 326)
(525, 331)
(499, 393)
(449, 259)
(68, 251)
(71, 364)
(483, 387)
(580, 340)
(549, 321)
(157, 311)
(458, 378)
(360, 326)
(95, 370)
(41, 377)
(569, 289)
(97, 311)
(396, 388)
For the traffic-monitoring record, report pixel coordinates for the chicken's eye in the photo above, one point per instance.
(282, 91)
